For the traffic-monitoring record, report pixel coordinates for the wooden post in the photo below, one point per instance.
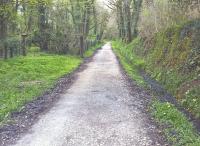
(5, 50)
(24, 35)
(81, 45)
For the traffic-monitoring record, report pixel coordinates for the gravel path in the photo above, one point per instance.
(97, 110)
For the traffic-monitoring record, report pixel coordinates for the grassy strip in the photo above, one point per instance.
(22, 79)
(177, 129)
(129, 61)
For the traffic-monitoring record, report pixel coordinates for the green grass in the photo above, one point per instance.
(130, 62)
(177, 129)
(22, 79)
(192, 101)
(91, 51)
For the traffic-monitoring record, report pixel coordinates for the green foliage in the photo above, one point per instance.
(90, 51)
(22, 79)
(130, 62)
(14, 43)
(191, 100)
(178, 130)
(6, 10)
(34, 50)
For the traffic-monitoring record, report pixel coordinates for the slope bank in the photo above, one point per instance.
(172, 58)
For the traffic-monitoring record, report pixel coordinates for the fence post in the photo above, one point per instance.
(24, 35)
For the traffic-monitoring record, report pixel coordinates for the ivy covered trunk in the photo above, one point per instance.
(42, 25)
(137, 4)
(3, 34)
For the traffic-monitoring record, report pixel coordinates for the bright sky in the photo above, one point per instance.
(103, 2)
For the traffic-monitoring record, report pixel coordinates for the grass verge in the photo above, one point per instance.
(22, 79)
(177, 129)
(129, 61)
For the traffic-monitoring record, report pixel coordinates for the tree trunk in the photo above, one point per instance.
(81, 45)
(3, 34)
(122, 31)
(128, 21)
(23, 46)
(11, 52)
(43, 28)
(136, 13)
(5, 51)
(16, 5)
(95, 20)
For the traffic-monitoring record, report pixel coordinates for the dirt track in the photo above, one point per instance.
(97, 110)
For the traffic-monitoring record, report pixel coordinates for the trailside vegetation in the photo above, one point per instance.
(163, 40)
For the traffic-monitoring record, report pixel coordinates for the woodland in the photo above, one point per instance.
(49, 26)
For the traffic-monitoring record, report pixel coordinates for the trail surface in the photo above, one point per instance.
(97, 110)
